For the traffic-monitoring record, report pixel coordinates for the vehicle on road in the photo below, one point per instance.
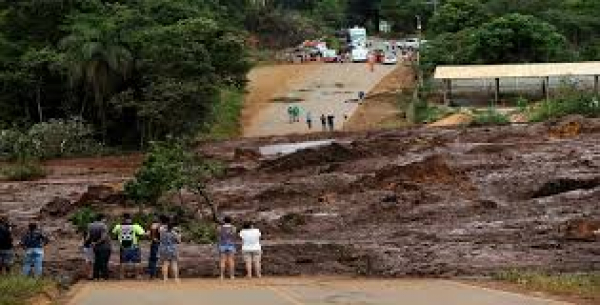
(357, 37)
(410, 43)
(359, 54)
(390, 59)
(330, 56)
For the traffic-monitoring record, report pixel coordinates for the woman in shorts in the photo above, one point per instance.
(251, 249)
(169, 250)
(227, 247)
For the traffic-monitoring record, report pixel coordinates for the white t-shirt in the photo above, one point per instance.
(250, 239)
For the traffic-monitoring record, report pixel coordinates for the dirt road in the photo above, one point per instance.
(300, 291)
(328, 89)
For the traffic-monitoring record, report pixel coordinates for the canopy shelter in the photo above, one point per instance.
(543, 71)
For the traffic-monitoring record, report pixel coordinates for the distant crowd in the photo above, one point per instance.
(327, 121)
(164, 237)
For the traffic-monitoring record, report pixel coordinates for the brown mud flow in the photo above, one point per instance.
(412, 202)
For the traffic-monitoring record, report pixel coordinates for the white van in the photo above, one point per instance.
(360, 54)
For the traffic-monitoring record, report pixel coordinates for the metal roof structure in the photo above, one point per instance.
(517, 70)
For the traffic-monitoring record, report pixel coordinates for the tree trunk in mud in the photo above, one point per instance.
(212, 205)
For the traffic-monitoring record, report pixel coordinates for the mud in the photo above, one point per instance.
(411, 202)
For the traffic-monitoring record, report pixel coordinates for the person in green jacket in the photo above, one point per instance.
(129, 234)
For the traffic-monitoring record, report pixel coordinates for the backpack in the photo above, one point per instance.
(34, 239)
(5, 238)
(126, 236)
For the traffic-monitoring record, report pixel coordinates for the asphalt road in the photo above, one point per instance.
(331, 89)
(298, 291)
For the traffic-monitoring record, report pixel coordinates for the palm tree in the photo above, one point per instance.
(95, 59)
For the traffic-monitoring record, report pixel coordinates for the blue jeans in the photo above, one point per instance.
(153, 259)
(35, 257)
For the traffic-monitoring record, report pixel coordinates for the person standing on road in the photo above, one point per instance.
(33, 242)
(170, 238)
(309, 120)
(129, 234)
(296, 114)
(290, 112)
(99, 241)
(323, 122)
(227, 247)
(251, 249)
(154, 235)
(361, 95)
(330, 122)
(88, 256)
(7, 253)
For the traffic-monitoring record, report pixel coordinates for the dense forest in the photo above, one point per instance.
(138, 70)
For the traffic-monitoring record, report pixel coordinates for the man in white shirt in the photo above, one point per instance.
(251, 249)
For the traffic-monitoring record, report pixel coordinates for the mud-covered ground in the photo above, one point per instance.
(416, 202)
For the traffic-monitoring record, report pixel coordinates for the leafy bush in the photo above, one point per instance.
(23, 171)
(490, 116)
(58, 138)
(55, 138)
(422, 112)
(82, 218)
(200, 232)
(16, 290)
(570, 103)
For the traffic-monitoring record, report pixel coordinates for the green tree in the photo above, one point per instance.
(517, 38)
(456, 15)
(96, 57)
(171, 166)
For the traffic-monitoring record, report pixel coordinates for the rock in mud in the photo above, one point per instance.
(102, 194)
(582, 229)
(58, 207)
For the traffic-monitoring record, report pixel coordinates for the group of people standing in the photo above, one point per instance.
(164, 240)
(32, 242)
(327, 121)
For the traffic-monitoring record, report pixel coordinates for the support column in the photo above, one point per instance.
(547, 82)
(497, 90)
(544, 87)
(447, 92)
(596, 86)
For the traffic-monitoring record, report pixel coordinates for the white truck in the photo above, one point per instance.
(357, 37)
(359, 54)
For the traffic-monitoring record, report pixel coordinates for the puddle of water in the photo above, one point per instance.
(288, 148)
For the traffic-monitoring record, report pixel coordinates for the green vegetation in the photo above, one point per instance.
(136, 70)
(55, 138)
(15, 290)
(490, 116)
(225, 122)
(22, 171)
(171, 167)
(581, 284)
(423, 112)
(572, 103)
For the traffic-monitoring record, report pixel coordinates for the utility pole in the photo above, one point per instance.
(419, 33)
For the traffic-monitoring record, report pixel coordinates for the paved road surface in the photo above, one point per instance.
(323, 91)
(298, 291)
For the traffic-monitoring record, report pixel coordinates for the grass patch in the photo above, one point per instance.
(226, 114)
(585, 285)
(574, 103)
(422, 112)
(22, 171)
(489, 116)
(16, 290)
